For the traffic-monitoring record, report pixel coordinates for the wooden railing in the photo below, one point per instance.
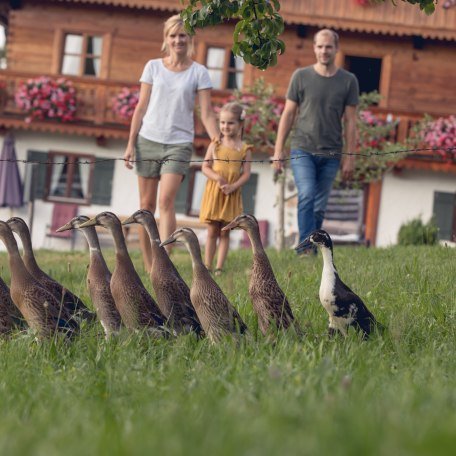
(95, 116)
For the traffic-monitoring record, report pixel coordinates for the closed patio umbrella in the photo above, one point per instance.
(11, 189)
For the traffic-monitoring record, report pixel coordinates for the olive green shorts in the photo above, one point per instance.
(149, 155)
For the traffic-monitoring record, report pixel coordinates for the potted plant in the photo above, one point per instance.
(124, 103)
(44, 98)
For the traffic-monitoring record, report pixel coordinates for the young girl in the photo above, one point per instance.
(226, 174)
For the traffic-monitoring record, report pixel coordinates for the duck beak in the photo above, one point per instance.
(305, 244)
(91, 222)
(129, 220)
(231, 226)
(68, 226)
(170, 240)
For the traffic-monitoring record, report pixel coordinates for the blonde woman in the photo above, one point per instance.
(162, 126)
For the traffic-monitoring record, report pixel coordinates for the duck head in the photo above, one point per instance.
(105, 219)
(6, 234)
(18, 225)
(319, 238)
(140, 216)
(74, 224)
(242, 222)
(185, 235)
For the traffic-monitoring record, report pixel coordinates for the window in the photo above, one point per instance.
(226, 69)
(81, 55)
(367, 70)
(445, 215)
(68, 178)
(2, 47)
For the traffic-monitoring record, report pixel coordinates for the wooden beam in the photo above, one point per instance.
(374, 193)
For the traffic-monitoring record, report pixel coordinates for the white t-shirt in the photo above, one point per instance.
(169, 115)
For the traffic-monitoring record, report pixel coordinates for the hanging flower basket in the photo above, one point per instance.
(45, 98)
(440, 134)
(124, 103)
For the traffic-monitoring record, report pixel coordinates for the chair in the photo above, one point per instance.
(62, 213)
(344, 216)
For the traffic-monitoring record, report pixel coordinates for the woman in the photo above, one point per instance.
(162, 126)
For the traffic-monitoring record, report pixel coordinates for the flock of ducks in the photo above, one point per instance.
(121, 300)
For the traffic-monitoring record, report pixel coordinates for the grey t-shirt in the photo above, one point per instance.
(322, 101)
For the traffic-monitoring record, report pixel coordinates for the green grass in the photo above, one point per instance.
(392, 395)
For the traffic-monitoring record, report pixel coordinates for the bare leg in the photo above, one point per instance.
(147, 200)
(169, 186)
(213, 233)
(223, 247)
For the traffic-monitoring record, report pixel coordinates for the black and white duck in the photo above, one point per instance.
(345, 308)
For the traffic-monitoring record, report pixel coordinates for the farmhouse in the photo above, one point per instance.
(101, 46)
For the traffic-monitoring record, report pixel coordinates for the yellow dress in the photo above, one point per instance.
(215, 205)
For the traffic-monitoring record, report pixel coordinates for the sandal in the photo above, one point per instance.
(218, 272)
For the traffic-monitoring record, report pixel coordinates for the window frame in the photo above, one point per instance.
(226, 69)
(68, 199)
(385, 71)
(59, 49)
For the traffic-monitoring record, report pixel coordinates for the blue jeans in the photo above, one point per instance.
(314, 176)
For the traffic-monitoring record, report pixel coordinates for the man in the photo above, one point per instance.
(318, 96)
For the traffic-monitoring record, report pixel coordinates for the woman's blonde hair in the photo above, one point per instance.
(175, 24)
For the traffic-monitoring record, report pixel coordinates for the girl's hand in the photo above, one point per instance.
(228, 188)
(128, 156)
(221, 182)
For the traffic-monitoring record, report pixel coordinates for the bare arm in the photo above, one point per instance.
(207, 113)
(348, 162)
(206, 168)
(136, 121)
(243, 178)
(285, 126)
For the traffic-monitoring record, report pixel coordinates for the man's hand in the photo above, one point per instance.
(348, 167)
(278, 162)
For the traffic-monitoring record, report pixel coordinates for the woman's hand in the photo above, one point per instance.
(129, 155)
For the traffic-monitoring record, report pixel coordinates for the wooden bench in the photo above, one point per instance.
(344, 216)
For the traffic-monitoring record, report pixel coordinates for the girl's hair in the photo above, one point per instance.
(235, 108)
(172, 25)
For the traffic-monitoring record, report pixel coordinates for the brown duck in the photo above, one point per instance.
(268, 299)
(136, 306)
(72, 303)
(217, 315)
(10, 317)
(172, 293)
(38, 306)
(98, 277)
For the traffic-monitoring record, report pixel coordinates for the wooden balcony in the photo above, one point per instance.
(95, 117)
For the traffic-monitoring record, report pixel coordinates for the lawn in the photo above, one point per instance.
(392, 395)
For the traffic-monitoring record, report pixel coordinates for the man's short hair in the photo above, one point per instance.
(330, 32)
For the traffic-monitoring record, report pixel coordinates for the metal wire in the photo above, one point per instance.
(437, 152)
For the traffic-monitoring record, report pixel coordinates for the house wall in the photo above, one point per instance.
(125, 196)
(407, 196)
(412, 80)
